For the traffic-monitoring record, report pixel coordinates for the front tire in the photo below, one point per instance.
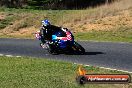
(52, 50)
(78, 48)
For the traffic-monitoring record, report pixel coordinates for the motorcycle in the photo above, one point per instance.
(55, 46)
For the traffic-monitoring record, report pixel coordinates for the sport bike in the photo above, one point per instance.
(56, 46)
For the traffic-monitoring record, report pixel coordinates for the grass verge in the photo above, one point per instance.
(122, 34)
(26, 72)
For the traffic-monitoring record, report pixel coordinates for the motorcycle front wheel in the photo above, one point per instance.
(78, 49)
(52, 50)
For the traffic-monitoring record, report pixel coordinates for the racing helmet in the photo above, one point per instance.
(45, 23)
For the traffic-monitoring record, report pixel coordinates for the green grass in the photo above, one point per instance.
(26, 72)
(57, 17)
(5, 22)
(122, 34)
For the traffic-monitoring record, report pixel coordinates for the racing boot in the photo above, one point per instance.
(43, 45)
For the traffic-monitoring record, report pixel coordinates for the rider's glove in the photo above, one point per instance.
(37, 35)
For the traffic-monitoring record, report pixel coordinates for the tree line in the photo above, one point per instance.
(53, 4)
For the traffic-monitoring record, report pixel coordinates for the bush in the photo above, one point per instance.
(5, 22)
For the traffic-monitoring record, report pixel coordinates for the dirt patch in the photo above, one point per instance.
(26, 32)
(2, 16)
(106, 17)
(22, 33)
(107, 23)
(124, 18)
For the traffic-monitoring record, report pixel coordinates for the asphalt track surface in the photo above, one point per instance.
(104, 54)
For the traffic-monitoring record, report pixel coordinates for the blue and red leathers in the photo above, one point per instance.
(64, 41)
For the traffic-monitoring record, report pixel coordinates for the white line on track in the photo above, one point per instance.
(18, 56)
(116, 70)
(109, 68)
(9, 55)
(1, 54)
(78, 64)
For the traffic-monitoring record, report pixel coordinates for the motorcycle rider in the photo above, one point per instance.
(66, 35)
